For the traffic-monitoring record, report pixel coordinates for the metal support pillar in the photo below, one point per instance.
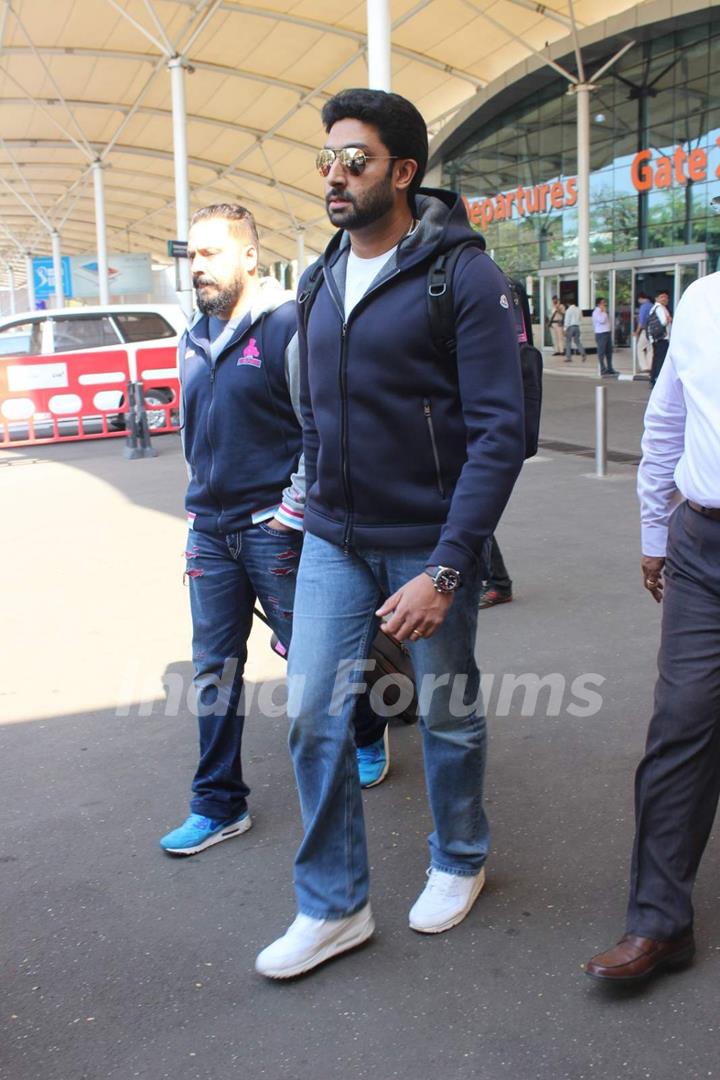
(101, 233)
(11, 288)
(601, 431)
(176, 66)
(300, 238)
(582, 100)
(30, 281)
(57, 269)
(378, 38)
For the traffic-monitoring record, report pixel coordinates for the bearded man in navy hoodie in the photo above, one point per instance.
(410, 458)
(245, 500)
(245, 497)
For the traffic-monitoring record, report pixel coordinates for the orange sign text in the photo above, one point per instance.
(648, 171)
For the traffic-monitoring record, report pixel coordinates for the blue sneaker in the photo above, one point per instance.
(199, 832)
(373, 761)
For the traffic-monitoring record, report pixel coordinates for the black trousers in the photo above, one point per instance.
(604, 351)
(660, 349)
(678, 781)
(495, 569)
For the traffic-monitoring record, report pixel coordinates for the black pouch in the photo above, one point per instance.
(392, 659)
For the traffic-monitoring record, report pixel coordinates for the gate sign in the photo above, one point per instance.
(44, 277)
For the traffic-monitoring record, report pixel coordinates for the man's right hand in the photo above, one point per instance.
(652, 571)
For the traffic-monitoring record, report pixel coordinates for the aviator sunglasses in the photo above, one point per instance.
(351, 158)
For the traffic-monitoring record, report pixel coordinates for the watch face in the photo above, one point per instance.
(446, 580)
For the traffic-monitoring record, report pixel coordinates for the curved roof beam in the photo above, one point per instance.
(226, 71)
(216, 167)
(137, 174)
(547, 12)
(149, 110)
(137, 227)
(357, 36)
(118, 221)
(75, 242)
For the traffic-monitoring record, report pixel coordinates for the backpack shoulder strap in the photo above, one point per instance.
(306, 298)
(440, 300)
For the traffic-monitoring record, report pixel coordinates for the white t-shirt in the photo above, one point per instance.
(360, 274)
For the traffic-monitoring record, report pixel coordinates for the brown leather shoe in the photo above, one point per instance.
(634, 959)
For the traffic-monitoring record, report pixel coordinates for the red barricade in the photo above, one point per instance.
(73, 396)
(62, 398)
(157, 371)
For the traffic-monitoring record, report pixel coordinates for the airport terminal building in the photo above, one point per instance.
(654, 162)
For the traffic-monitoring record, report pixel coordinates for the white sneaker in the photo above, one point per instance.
(309, 942)
(445, 901)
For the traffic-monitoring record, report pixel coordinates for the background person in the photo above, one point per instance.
(658, 329)
(643, 345)
(556, 322)
(678, 781)
(603, 337)
(572, 319)
(245, 499)
(497, 586)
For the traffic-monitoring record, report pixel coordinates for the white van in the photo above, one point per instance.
(97, 329)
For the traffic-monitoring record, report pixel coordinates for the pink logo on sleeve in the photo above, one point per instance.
(250, 354)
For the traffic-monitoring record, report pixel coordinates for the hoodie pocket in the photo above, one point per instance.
(427, 410)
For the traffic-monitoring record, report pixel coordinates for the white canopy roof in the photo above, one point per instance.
(88, 79)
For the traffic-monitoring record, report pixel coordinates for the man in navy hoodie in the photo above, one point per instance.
(410, 458)
(245, 501)
(245, 497)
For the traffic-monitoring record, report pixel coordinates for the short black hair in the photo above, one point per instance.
(599, 300)
(232, 212)
(399, 124)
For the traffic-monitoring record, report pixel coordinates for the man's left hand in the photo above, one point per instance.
(416, 610)
(279, 526)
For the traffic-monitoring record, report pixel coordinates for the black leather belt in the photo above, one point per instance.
(706, 511)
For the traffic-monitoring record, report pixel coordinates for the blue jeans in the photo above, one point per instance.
(335, 603)
(227, 574)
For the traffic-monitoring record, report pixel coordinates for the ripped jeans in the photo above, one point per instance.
(226, 574)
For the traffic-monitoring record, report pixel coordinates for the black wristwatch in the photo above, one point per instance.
(444, 578)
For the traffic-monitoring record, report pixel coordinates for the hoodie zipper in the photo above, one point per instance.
(342, 379)
(211, 443)
(427, 409)
(208, 418)
(344, 440)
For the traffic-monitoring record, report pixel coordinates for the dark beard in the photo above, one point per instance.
(220, 302)
(374, 205)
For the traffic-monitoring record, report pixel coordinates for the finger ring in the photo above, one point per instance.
(416, 634)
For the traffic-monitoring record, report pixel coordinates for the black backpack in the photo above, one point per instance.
(656, 329)
(441, 311)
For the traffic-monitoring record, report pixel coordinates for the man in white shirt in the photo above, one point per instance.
(603, 337)
(678, 781)
(658, 330)
(572, 333)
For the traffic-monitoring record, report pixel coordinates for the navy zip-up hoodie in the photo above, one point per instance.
(241, 435)
(404, 446)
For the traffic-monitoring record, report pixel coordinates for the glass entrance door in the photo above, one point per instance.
(622, 309)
